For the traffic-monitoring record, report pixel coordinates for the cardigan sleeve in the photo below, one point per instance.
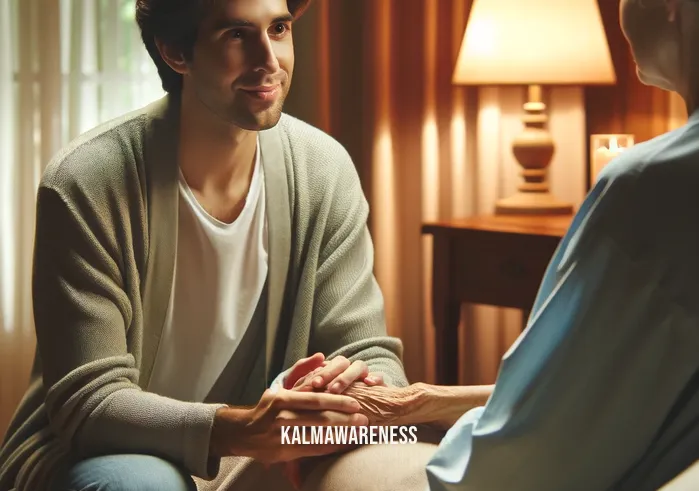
(82, 315)
(349, 308)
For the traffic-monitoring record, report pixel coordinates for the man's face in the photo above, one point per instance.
(243, 61)
(653, 39)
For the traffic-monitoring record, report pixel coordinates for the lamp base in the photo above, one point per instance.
(532, 204)
(533, 149)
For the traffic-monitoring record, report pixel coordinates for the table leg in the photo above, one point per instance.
(447, 343)
(446, 316)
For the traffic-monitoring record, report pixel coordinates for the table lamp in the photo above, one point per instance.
(534, 43)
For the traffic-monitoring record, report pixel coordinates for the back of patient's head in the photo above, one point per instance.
(664, 40)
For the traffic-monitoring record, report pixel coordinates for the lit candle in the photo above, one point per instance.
(603, 155)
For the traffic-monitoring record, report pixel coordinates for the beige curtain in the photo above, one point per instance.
(30, 135)
(9, 301)
(376, 74)
(65, 66)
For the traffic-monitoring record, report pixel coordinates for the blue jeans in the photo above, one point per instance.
(124, 473)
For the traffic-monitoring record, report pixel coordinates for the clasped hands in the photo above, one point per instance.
(334, 376)
(316, 374)
(319, 392)
(312, 395)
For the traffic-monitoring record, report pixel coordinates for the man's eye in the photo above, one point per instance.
(280, 29)
(236, 33)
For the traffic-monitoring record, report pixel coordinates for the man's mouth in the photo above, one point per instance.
(263, 92)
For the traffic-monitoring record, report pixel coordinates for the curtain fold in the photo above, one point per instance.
(8, 123)
(9, 300)
(65, 66)
(33, 136)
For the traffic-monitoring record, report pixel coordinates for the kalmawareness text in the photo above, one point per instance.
(352, 435)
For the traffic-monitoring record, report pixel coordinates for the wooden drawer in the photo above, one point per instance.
(503, 269)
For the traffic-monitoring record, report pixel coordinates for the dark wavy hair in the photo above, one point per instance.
(176, 23)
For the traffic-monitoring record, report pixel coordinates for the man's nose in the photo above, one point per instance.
(264, 58)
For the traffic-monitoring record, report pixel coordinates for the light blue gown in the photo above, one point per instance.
(601, 391)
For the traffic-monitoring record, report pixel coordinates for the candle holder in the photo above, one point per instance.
(603, 149)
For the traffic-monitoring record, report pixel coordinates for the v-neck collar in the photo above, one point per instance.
(162, 174)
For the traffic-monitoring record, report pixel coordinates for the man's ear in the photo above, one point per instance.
(172, 57)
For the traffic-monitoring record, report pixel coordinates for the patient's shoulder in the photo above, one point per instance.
(659, 165)
(646, 198)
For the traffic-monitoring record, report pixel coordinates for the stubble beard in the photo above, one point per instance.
(243, 114)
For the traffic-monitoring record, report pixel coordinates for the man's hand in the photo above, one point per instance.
(256, 432)
(315, 374)
(334, 376)
(303, 367)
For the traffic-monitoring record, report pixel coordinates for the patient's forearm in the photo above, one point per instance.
(419, 403)
(443, 405)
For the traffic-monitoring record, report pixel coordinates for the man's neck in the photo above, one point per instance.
(215, 156)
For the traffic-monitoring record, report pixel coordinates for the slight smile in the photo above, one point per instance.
(263, 92)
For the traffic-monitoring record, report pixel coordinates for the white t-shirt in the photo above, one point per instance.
(220, 272)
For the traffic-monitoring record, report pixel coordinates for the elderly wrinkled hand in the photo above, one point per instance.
(419, 403)
(389, 405)
(438, 406)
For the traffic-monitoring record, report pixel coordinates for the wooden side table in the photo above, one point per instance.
(491, 260)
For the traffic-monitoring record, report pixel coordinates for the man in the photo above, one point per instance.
(601, 391)
(185, 255)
